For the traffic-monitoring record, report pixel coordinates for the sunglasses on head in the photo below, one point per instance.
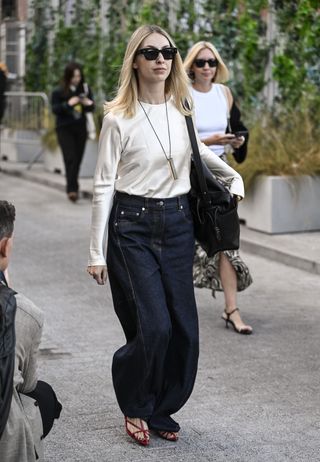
(151, 54)
(202, 62)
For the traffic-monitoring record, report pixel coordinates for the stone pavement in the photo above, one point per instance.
(300, 250)
(256, 398)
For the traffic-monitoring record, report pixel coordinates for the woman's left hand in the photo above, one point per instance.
(237, 142)
(99, 273)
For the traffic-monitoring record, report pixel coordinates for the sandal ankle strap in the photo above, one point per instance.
(229, 314)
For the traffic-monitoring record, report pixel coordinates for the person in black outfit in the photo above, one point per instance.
(3, 82)
(70, 102)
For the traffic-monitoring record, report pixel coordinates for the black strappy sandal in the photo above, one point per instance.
(239, 330)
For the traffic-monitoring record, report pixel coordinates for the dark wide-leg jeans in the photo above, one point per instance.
(149, 259)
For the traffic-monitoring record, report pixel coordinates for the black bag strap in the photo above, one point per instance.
(8, 308)
(197, 159)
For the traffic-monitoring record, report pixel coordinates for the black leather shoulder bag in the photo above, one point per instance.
(213, 207)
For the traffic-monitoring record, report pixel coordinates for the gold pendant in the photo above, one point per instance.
(172, 169)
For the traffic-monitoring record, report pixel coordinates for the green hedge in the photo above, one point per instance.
(237, 29)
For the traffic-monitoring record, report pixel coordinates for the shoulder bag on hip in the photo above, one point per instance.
(213, 207)
(91, 126)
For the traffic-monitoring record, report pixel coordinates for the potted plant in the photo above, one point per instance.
(53, 161)
(282, 172)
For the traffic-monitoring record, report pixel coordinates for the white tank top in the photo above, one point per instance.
(211, 114)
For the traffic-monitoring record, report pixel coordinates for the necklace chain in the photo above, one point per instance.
(169, 158)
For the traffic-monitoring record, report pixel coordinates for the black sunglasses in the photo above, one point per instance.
(151, 54)
(202, 62)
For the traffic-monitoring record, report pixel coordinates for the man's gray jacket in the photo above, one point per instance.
(21, 439)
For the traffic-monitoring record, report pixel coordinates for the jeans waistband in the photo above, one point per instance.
(150, 202)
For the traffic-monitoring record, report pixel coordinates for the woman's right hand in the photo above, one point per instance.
(219, 138)
(74, 100)
(99, 273)
(86, 101)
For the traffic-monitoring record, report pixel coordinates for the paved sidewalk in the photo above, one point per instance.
(299, 250)
(256, 398)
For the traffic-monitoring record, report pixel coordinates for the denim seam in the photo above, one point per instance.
(132, 290)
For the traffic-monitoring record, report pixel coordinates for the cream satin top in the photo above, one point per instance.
(131, 160)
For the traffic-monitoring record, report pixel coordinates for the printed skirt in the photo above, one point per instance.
(206, 270)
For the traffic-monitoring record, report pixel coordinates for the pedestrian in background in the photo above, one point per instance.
(70, 103)
(3, 84)
(219, 125)
(140, 205)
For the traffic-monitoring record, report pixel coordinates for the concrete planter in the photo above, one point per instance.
(89, 161)
(53, 160)
(20, 145)
(7, 145)
(282, 204)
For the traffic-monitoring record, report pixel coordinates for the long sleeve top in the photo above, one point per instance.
(69, 115)
(131, 160)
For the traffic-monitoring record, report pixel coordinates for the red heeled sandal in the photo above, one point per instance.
(169, 436)
(146, 438)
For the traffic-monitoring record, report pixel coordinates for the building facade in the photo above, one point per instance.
(13, 23)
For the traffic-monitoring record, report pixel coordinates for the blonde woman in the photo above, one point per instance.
(140, 208)
(216, 114)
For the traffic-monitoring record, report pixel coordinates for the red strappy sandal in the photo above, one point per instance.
(169, 436)
(146, 438)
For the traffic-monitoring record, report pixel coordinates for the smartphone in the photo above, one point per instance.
(241, 133)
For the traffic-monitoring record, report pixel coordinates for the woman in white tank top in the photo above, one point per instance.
(213, 102)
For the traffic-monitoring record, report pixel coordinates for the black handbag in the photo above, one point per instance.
(213, 207)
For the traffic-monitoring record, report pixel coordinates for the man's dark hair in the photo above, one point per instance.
(7, 217)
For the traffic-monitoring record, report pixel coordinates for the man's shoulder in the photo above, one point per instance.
(29, 310)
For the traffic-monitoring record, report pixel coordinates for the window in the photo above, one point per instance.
(12, 47)
(8, 9)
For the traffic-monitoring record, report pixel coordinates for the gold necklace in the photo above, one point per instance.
(169, 158)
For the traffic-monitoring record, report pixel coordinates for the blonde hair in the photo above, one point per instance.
(177, 83)
(222, 74)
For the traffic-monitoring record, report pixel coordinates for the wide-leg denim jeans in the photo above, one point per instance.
(150, 257)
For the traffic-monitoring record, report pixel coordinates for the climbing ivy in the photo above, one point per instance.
(54, 43)
(296, 64)
(236, 27)
(37, 50)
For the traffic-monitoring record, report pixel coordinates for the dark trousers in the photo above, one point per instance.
(72, 140)
(150, 258)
